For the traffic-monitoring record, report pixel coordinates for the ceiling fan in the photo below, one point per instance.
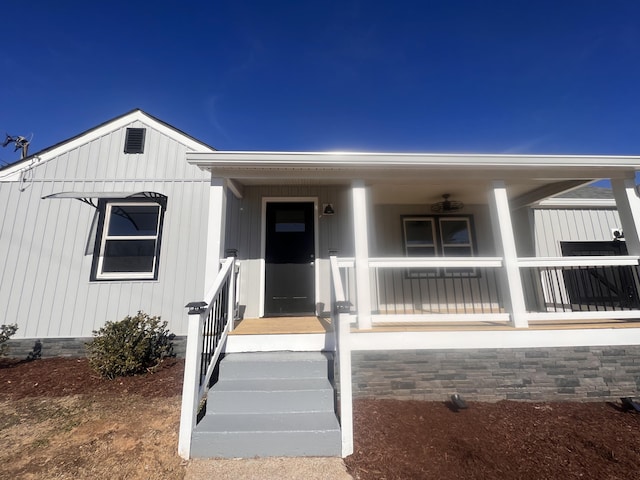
(447, 206)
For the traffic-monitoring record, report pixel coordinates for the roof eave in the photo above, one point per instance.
(227, 159)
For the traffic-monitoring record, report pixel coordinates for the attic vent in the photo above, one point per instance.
(134, 142)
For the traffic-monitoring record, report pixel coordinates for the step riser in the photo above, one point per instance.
(271, 402)
(248, 370)
(266, 444)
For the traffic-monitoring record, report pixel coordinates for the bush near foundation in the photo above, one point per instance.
(130, 346)
(6, 332)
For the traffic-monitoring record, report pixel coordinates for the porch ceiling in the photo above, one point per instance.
(419, 178)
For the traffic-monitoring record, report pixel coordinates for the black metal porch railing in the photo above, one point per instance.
(461, 290)
(209, 323)
(213, 325)
(581, 288)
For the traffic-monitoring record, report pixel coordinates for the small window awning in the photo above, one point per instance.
(91, 198)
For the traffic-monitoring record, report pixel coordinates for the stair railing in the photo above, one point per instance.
(341, 318)
(209, 324)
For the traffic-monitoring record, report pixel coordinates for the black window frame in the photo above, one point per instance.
(105, 210)
(439, 246)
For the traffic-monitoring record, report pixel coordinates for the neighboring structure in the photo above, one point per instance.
(98, 227)
(481, 274)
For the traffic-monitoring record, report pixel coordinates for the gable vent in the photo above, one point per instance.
(134, 142)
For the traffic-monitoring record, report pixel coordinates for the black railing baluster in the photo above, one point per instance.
(464, 298)
(498, 290)
(393, 287)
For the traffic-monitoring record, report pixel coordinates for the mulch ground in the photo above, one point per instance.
(504, 440)
(406, 439)
(59, 377)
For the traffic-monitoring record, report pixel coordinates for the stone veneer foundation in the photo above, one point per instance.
(539, 374)
(66, 347)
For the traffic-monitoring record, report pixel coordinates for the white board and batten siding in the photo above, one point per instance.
(244, 224)
(46, 245)
(556, 225)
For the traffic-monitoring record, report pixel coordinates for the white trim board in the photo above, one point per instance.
(560, 202)
(368, 160)
(372, 341)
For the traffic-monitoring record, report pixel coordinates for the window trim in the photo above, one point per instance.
(439, 245)
(105, 208)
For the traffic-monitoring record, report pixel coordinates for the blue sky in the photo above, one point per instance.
(512, 76)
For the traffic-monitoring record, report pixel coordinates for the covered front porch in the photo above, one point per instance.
(402, 261)
(389, 273)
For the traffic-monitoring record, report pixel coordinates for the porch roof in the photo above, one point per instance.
(529, 178)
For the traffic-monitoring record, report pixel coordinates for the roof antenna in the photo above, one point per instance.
(20, 142)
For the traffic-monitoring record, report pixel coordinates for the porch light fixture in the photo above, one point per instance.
(327, 209)
(617, 234)
(447, 206)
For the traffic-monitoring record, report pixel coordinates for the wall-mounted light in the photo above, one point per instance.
(327, 209)
(617, 234)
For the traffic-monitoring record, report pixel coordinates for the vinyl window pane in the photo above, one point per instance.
(129, 256)
(418, 232)
(133, 220)
(421, 252)
(455, 232)
(290, 221)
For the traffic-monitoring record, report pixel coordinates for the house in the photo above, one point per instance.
(374, 274)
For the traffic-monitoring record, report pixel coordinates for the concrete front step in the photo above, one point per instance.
(274, 365)
(286, 435)
(270, 404)
(272, 395)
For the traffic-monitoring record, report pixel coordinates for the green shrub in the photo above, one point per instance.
(6, 331)
(132, 345)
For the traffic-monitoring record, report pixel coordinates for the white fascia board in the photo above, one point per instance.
(353, 159)
(516, 338)
(576, 203)
(13, 173)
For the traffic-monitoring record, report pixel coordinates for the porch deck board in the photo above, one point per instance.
(282, 326)
(489, 325)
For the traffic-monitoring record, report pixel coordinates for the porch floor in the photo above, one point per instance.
(282, 326)
(489, 325)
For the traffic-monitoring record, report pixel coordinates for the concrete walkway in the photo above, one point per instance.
(272, 468)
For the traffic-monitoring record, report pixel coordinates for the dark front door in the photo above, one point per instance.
(600, 288)
(289, 259)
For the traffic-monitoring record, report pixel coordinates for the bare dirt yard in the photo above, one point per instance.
(59, 420)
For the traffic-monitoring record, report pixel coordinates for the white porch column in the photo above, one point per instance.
(215, 230)
(628, 205)
(361, 233)
(513, 293)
